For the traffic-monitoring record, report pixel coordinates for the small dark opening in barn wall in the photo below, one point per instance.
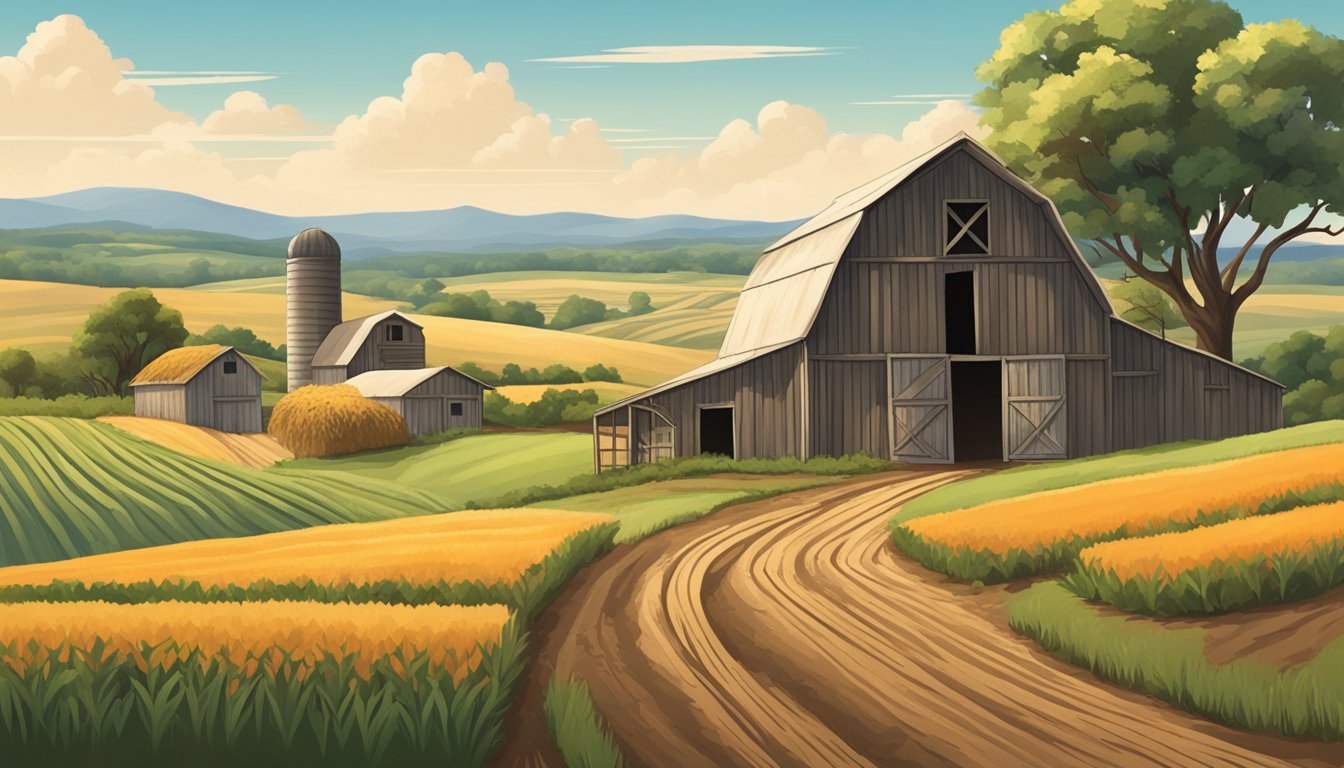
(977, 410)
(959, 312)
(716, 431)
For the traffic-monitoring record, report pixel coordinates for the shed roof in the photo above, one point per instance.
(344, 341)
(401, 382)
(179, 366)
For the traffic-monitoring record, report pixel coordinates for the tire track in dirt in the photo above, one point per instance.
(788, 632)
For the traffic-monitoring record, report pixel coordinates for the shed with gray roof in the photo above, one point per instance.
(429, 399)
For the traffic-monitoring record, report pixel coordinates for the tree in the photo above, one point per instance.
(576, 310)
(121, 336)
(245, 340)
(1155, 125)
(17, 369)
(640, 304)
(1148, 306)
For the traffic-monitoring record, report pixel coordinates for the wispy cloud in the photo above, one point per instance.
(915, 99)
(647, 139)
(160, 78)
(685, 54)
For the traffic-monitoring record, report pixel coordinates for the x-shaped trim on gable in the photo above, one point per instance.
(965, 230)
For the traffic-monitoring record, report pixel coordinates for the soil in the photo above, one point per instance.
(788, 632)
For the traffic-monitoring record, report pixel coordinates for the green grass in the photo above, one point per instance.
(643, 510)
(70, 488)
(468, 469)
(72, 406)
(1169, 662)
(577, 728)
(1044, 477)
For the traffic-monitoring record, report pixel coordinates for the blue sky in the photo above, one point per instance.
(333, 57)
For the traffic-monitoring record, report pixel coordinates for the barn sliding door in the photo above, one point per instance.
(921, 409)
(1034, 411)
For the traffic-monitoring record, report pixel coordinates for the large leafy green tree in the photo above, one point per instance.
(1154, 125)
(121, 336)
(17, 369)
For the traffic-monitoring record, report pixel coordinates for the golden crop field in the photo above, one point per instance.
(1167, 556)
(480, 545)
(607, 392)
(43, 317)
(1134, 504)
(240, 632)
(255, 451)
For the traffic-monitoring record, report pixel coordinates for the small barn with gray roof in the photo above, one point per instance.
(385, 341)
(429, 399)
(939, 313)
(206, 386)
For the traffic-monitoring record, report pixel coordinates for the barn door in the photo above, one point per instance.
(1034, 412)
(921, 409)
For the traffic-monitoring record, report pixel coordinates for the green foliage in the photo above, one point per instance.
(1306, 700)
(72, 488)
(70, 406)
(720, 258)
(576, 727)
(17, 369)
(1063, 474)
(1143, 120)
(640, 304)
(696, 466)
(1312, 368)
(446, 436)
(555, 406)
(599, 372)
(577, 310)
(242, 339)
(514, 374)
(123, 335)
(1148, 307)
(998, 566)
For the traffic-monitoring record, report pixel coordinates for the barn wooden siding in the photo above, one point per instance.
(378, 354)
(426, 407)
(1165, 392)
(212, 398)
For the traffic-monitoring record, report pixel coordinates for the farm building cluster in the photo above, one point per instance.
(939, 313)
(382, 356)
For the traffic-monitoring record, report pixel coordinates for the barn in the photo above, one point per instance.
(429, 399)
(207, 386)
(939, 313)
(385, 341)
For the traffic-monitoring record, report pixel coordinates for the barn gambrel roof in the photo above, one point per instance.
(340, 346)
(783, 295)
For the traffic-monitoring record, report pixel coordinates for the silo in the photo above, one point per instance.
(312, 299)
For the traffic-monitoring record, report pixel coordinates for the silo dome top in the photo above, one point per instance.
(314, 243)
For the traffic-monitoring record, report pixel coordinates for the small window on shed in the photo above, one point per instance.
(967, 228)
(396, 332)
(230, 366)
(454, 409)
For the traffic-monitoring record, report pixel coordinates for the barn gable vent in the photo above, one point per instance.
(967, 228)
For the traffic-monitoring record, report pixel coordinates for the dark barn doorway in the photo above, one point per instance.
(959, 312)
(716, 431)
(977, 410)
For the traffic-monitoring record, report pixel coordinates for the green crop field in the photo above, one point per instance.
(71, 487)
(470, 468)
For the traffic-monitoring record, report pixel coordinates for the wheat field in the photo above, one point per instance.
(255, 451)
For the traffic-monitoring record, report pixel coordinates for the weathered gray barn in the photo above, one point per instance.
(382, 342)
(430, 399)
(207, 386)
(938, 313)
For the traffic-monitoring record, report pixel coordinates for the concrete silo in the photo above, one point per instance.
(312, 299)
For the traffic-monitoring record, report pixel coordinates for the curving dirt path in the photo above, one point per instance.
(789, 632)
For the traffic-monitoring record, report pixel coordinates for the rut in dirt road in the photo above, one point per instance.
(787, 632)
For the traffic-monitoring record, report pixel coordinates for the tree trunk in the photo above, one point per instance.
(1213, 325)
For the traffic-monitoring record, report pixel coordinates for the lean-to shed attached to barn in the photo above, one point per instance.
(429, 399)
(385, 341)
(939, 313)
(206, 386)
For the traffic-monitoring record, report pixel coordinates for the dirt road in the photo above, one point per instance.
(788, 632)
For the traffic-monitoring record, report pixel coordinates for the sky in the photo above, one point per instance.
(738, 110)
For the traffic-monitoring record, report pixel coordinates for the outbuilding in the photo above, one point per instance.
(939, 313)
(385, 341)
(429, 399)
(206, 386)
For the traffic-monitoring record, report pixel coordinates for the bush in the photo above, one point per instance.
(71, 406)
(317, 421)
(556, 406)
(242, 339)
(1312, 368)
(514, 373)
(599, 372)
(577, 310)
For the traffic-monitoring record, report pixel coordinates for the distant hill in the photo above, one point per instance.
(464, 229)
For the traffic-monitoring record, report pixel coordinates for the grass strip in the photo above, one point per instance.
(577, 728)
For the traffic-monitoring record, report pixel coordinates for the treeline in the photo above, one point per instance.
(244, 340)
(556, 406)
(101, 271)
(722, 258)
(513, 374)
(1311, 366)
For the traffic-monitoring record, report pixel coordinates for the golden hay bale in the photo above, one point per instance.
(317, 420)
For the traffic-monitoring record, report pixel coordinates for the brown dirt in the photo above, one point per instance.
(788, 632)
(1283, 635)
